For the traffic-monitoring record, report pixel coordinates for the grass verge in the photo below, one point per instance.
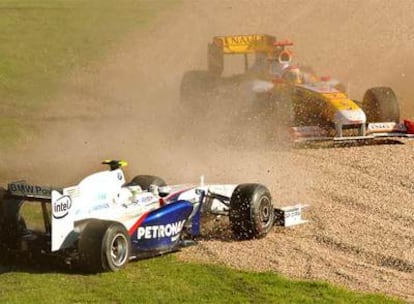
(42, 41)
(167, 280)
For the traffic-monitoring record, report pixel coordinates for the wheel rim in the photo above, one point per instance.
(265, 212)
(119, 250)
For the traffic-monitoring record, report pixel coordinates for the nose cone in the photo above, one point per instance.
(350, 117)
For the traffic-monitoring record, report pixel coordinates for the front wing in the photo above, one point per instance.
(374, 130)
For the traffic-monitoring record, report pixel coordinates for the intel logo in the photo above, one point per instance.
(61, 207)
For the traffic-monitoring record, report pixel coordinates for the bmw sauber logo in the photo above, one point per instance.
(61, 207)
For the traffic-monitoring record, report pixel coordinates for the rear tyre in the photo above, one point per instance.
(145, 181)
(2, 196)
(380, 105)
(195, 89)
(2, 228)
(251, 211)
(284, 117)
(273, 115)
(104, 246)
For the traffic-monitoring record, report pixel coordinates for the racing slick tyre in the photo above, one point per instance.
(194, 90)
(104, 246)
(251, 212)
(145, 181)
(2, 195)
(271, 116)
(380, 105)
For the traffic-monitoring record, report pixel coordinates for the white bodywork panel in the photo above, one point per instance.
(105, 196)
(350, 117)
(62, 218)
(102, 196)
(261, 86)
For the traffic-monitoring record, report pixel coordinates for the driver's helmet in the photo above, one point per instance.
(285, 56)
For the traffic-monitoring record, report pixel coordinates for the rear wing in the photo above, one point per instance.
(28, 191)
(266, 45)
(245, 44)
(237, 44)
(58, 220)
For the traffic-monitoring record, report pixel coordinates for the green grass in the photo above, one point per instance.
(43, 41)
(167, 280)
(10, 130)
(33, 215)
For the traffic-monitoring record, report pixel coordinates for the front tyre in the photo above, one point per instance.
(251, 211)
(380, 105)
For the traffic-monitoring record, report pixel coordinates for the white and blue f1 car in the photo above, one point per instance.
(104, 221)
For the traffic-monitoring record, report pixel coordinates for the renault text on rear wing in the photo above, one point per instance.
(244, 44)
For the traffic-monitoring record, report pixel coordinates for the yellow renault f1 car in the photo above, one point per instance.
(315, 108)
